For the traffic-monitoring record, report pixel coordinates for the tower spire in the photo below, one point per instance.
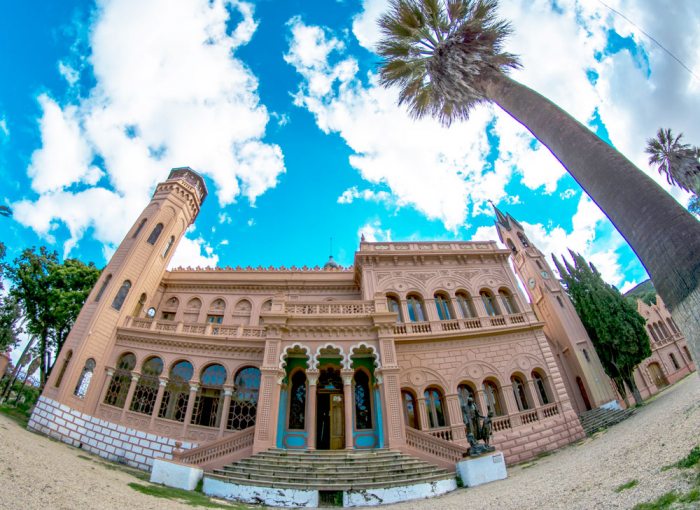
(500, 217)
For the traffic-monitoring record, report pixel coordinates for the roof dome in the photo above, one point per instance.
(331, 264)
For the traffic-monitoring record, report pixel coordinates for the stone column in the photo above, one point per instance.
(348, 403)
(162, 383)
(430, 310)
(228, 391)
(130, 395)
(455, 419)
(109, 373)
(511, 406)
(481, 402)
(312, 378)
(423, 421)
(194, 387)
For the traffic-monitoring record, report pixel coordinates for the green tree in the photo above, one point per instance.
(51, 295)
(616, 329)
(446, 56)
(678, 162)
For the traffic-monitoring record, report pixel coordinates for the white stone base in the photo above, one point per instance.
(173, 474)
(373, 497)
(613, 405)
(484, 469)
(261, 495)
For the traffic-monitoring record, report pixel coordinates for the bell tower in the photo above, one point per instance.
(585, 379)
(126, 288)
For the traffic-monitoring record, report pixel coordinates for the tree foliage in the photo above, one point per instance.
(50, 295)
(616, 329)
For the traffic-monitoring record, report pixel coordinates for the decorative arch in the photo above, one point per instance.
(369, 349)
(344, 358)
(242, 311)
(192, 309)
(177, 391)
(473, 370)
(295, 349)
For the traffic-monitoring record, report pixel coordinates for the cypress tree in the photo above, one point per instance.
(613, 324)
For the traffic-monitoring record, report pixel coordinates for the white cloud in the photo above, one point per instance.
(225, 218)
(567, 193)
(189, 254)
(351, 194)
(69, 73)
(4, 130)
(373, 232)
(169, 92)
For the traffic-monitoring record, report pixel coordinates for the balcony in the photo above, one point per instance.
(196, 329)
(456, 325)
(343, 308)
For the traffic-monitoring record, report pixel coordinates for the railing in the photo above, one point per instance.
(216, 449)
(501, 423)
(424, 442)
(442, 433)
(330, 308)
(550, 410)
(417, 328)
(528, 417)
(196, 328)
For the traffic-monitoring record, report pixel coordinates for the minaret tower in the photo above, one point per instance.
(586, 382)
(127, 287)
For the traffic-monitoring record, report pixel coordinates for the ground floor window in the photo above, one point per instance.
(177, 392)
(244, 401)
(297, 401)
(434, 406)
(121, 380)
(363, 405)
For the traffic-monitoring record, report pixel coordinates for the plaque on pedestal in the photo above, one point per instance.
(479, 470)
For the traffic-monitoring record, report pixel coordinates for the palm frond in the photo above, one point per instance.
(440, 52)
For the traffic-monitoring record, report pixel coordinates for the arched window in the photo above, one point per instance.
(442, 303)
(121, 295)
(672, 325)
(659, 333)
(465, 391)
(266, 307)
(519, 393)
(85, 378)
(652, 333)
(523, 240)
(509, 304)
(493, 398)
(104, 287)
(177, 392)
(541, 387)
(511, 246)
(66, 360)
(539, 265)
(210, 395)
(467, 403)
(192, 310)
(489, 302)
(171, 241)
(394, 306)
(244, 402)
(147, 388)
(687, 353)
(416, 309)
(363, 404)
(139, 228)
(434, 405)
(674, 360)
(561, 303)
(155, 234)
(297, 401)
(410, 413)
(466, 305)
(170, 309)
(139, 306)
(664, 329)
(119, 387)
(216, 311)
(586, 355)
(241, 313)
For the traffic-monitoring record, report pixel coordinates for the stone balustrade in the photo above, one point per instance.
(182, 328)
(218, 449)
(476, 323)
(330, 308)
(424, 442)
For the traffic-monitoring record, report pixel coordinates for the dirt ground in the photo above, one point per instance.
(39, 473)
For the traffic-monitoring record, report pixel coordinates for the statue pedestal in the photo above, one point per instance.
(479, 470)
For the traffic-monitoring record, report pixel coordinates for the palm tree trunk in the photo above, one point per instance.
(665, 236)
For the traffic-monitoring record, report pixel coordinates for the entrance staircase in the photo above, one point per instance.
(334, 476)
(601, 418)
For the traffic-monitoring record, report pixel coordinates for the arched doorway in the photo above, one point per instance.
(330, 410)
(657, 375)
(584, 395)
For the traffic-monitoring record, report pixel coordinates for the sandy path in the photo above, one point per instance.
(38, 473)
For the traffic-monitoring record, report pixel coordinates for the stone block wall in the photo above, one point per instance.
(114, 442)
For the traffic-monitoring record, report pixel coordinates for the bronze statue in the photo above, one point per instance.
(477, 431)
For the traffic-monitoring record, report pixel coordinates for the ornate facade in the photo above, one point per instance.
(228, 362)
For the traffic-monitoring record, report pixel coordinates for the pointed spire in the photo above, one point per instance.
(500, 217)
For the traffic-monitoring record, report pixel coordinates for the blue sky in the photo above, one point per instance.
(277, 105)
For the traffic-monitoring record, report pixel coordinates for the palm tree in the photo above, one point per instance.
(677, 161)
(446, 56)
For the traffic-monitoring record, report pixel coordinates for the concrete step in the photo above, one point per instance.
(600, 418)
